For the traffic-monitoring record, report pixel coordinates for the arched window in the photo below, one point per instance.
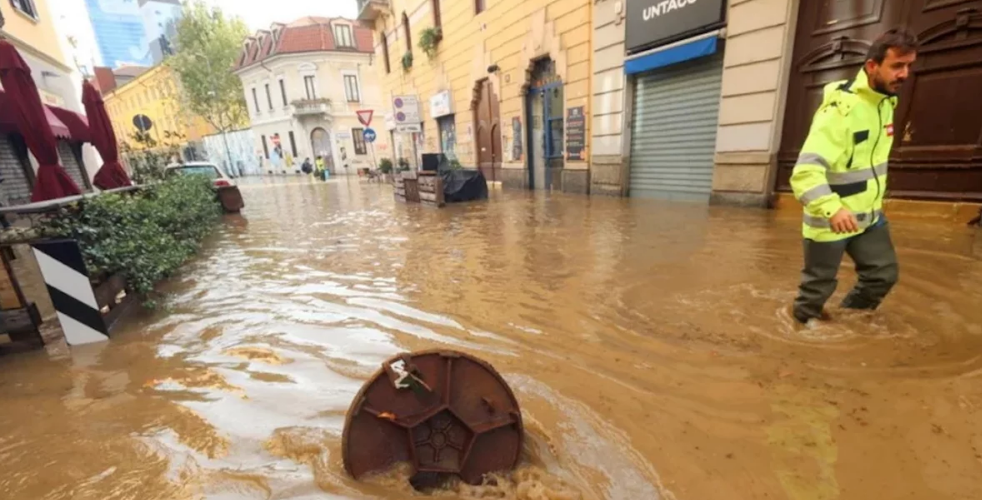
(407, 32)
(437, 22)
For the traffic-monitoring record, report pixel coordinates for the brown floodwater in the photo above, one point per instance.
(648, 344)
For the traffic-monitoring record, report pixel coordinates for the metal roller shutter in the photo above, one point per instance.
(676, 110)
(15, 188)
(71, 164)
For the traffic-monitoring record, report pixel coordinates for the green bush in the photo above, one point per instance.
(145, 236)
(385, 166)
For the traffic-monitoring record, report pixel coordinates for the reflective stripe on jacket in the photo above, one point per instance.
(843, 163)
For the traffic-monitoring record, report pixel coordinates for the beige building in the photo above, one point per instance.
(502, 85)
(711, 100)
(304, 83)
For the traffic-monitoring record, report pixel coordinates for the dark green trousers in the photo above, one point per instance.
(876, 265)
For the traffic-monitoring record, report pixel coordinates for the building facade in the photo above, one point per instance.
(711, 101)
(119, 31)
(304, 83)
(160, 18)
(505, 88)
(152, 103)
(29, 26)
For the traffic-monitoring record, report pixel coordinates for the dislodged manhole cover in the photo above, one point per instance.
(445, 412)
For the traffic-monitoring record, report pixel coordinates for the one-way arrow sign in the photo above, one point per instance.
(365, 116)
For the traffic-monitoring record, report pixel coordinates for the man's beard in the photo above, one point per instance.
(882, 87)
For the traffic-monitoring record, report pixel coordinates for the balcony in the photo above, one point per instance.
(312, 107)
(370, 10)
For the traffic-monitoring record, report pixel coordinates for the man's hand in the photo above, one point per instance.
(844, 221)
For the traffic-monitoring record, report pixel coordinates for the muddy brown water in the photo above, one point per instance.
(647, 343)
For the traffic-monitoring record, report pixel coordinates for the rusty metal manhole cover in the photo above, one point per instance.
(445, 412)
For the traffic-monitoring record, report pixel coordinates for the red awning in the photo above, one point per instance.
(78, 131)
(78, 125)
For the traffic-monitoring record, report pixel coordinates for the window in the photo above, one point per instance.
(255, 99)
(447, 127)
(479, 6)
(437, 21)
(407, 32)
(308, 83)
(385, 52)
(358, 136)
(293, 144)
(265, 148)
(351, 88)
(283, 93)
(342, 36)
(554, 105)
(26, 7)
(269, 98)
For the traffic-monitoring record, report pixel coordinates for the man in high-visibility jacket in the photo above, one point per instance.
(841, 177)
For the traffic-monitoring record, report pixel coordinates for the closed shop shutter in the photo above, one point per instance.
(71, 165)
(15, 188)
(676, 110)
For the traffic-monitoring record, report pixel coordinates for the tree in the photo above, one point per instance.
(205, 50)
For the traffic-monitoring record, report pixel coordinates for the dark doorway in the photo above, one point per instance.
(937, 151)
(545, 105)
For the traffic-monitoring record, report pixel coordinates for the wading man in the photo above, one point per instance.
(841, 177)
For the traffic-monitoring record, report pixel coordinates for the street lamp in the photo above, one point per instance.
(214, 93)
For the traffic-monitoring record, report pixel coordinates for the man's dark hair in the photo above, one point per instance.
(898, 39)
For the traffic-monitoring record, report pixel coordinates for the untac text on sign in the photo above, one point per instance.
(655, 22)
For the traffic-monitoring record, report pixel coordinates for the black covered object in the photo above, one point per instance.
(464, 185)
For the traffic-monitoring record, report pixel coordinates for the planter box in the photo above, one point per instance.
(231, 199)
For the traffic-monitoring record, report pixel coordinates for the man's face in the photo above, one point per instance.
(888, 77)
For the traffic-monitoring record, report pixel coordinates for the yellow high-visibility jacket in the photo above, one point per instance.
(843, 163)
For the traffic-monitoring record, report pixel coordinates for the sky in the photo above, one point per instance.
(259, 14)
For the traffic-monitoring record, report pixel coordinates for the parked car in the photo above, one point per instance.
(209, 170)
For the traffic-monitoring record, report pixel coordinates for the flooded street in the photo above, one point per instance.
(648, 343)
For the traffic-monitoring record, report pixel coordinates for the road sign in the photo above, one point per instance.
(365, 116)
(405, 109)
(369, 135)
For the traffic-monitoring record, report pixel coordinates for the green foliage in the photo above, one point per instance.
(385, 166)
(403, 164)
(407, 61)
(208, 45)
(455, 164)
(428, 40)
(147, 164)
(145, 236)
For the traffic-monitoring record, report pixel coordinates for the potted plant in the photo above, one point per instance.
(385, 166)
(428, 40)
(407, 61)
(403, 165)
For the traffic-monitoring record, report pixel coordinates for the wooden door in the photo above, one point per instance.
(939, 121)
(486, 115)
(937, 152)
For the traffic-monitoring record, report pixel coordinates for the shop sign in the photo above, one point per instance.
(575, 134)
(654, 22)
(440, 104)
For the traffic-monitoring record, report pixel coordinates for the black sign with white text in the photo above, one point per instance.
(650, 22)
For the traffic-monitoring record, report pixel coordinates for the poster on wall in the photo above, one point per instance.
(575, 134)
(516, 139)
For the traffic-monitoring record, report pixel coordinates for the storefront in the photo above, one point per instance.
(675, 69)
(441, 109)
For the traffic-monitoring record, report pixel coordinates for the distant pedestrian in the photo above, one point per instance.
(841, 177)
(307, 167)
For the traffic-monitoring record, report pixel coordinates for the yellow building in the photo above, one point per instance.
(507, 89)
(154, 94)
